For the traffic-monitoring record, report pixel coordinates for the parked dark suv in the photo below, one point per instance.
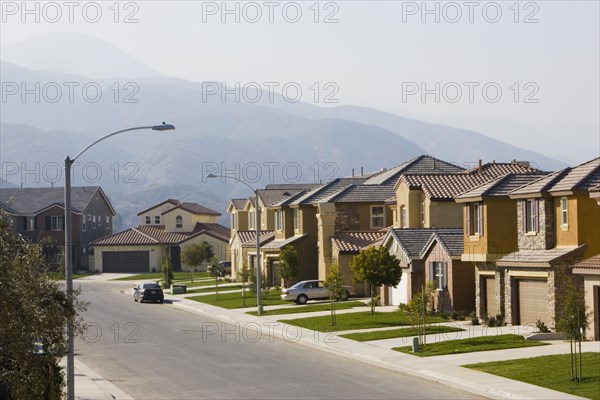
(148, 292)
(225, 267)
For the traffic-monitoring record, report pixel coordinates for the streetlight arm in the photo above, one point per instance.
(225, 177)
(163, 127)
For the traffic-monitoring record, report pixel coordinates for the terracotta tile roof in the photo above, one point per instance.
(500, 187)
(286, 201)
(281, 243)
(589, 264)
(499, 169)
(239, 204)
(354, 241)
(391, 201)
(291, 186)
(548, 257)
(418, 165)
(193, 208)
(171, 201)
(445, 186)
(451, 240)
(582, 177)
(29, 201)
(361, 194)
(156, 234)
(316, 194)
(248, 238)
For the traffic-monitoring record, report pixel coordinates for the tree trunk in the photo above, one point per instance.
(372, 299)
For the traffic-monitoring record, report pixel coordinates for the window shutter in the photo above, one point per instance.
(48, 223)
(480, 218)
(445, 272)
(468, 208)
(524, 215)
(24, 223)
(35, 223)
(536, 221)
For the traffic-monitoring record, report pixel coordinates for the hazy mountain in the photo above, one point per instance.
(76, 54)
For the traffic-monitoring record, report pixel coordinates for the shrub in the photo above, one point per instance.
(475, 321)
(540, 326)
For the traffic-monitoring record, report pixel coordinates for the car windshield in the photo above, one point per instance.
(151, 286)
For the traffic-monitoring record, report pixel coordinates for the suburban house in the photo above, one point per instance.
(589, 269)
(36, 213)
(555, 226)
(243, 234)
(164, 230)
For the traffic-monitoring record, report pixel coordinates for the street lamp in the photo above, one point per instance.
(69, 249)
(259, 306)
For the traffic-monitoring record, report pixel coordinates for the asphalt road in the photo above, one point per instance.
(154, 351)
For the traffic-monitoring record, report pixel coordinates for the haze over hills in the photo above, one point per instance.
(278, 140)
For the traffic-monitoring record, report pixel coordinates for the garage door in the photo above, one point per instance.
(533, 301)
(490, 297)
(125, 261)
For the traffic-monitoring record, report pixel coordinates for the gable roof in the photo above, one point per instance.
(361, 194)
(30, 201)
(500, 187)
(540, 258)
(156, 234)
(588, 266)
(248, 238)
(238, 204)
(316, 194)
(353, 241)
(417, 165)
(170, 201)
(193, 208)
(451, 240)
(500, 168)
(410, 240)
(444, 186)
(584, 177)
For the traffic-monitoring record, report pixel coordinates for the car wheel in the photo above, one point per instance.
(134, 299)
(160, 301)
(302, 299)
(345, 296)
(140, 300)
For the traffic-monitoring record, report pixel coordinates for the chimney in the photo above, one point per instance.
(479, 168)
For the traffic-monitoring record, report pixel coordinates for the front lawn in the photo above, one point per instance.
(234, 300)
(177, 276)
(552, 372)
(311, 308)
(59, 276)
(212, 289)
(399, 333)
(484, 343)
(359, 320)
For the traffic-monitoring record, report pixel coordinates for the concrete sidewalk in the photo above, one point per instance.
(91, 386)
(443, 369)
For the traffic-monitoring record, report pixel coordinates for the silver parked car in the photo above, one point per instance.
(303, 291)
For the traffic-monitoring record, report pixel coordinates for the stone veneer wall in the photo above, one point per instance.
(561, 280)
(499, 276)
(544, 239)
(347, 219)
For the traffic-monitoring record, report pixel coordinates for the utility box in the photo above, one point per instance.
(415, 345)
(178, 289)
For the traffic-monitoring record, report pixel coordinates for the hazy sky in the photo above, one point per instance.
(542, 56)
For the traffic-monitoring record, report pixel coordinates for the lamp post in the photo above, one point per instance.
(69, 249)
(259, 307)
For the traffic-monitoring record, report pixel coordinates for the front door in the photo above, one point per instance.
(176, 258)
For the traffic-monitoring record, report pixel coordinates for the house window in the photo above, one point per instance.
(107, 222)
(31, 223)
(404, 216)
(377, 217)
(251, 220)
(278, 220)
(178, 222)
(531, 215)
(262, 217)
(438, 271)
(422, 213)
(89, 217)
(564, 211)
(296, 219)
(474, 219)
(57, 223)
(157, 219)
(83, 225)
(233, 220)
(148, 220)
(93, 221)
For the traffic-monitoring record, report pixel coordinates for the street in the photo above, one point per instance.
(154, 351)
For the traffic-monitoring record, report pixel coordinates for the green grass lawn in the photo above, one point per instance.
(56, 276)
(552, 372)
(212, 289)
(359, 320)
(177, 276)
(234, 300)
(399, 333)
(485, 343)
(311, 308)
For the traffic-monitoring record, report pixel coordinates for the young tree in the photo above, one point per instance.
(195, 254)
(288, 265)
(573, 323)
(375, 266)
(335, 286)
(216, 271)
(34, 313)
(418, 309)
(166, 268)
(244, 275)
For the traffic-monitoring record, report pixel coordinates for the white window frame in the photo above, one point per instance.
(157, 220)
(564, 211)
(376, 217)
(439, 274)
(233, 220)
(251, 220)
(178, 222)
(93, 222)
(478, 218)
(148, 220)
(107, 222)
(404, 217)
(296, 219)
(83, 225)
(31, 223)
(57, 223)
(531, 215)
(422, 214)
(278, 220)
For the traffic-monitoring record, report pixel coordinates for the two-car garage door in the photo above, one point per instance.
(533, 301)
(125, 261)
